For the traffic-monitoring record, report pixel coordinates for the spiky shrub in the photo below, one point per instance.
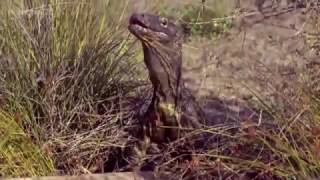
(63, 67)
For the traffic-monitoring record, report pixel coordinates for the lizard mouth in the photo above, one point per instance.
(136, 22)
(137, 27)
(141, 30)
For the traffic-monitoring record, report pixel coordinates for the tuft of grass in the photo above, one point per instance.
(66, 67)
(19, 156)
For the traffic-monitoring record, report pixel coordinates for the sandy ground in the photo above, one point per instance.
(264, 53)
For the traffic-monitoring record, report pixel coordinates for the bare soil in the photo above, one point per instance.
(263, 55)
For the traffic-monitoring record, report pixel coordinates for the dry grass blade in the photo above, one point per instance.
(69, 67)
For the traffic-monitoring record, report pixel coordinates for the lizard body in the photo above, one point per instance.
(172, 108)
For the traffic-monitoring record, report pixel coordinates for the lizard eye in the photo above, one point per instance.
(164, 22)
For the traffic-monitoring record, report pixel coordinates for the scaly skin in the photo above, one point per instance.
(170, 110)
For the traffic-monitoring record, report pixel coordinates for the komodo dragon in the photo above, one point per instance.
(173, 110)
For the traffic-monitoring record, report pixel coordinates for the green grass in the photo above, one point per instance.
(63, 64)
(208, 20)
(19, 156)
(67, 68)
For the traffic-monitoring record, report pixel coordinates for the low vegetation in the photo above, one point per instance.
(201, 19)
(19, 155)
(69, 71)
(64, 68)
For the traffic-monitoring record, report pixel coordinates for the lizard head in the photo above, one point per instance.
(147, 27)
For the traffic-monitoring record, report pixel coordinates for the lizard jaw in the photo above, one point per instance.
(140, 29)
(142, 33)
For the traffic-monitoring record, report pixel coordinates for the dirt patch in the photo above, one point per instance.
(263, 53)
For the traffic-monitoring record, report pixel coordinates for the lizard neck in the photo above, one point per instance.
(164, 65)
